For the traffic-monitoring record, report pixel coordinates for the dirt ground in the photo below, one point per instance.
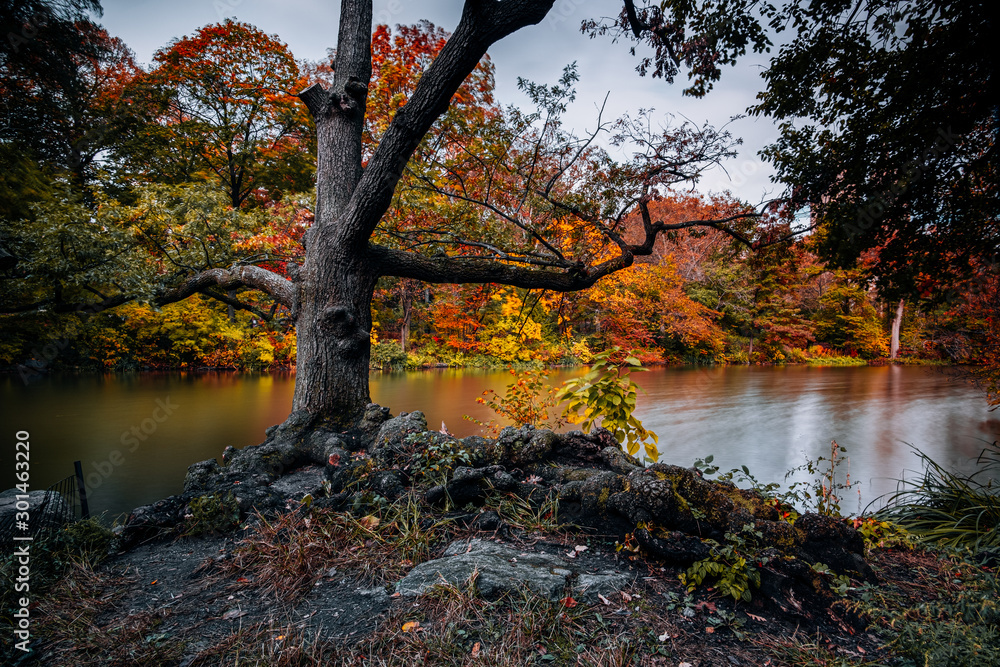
(181, 601)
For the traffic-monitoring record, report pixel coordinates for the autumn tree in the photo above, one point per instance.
(62, 79)
(506, 234)
(334, 287)
(644, 308)
(220, 104)
(887, 114)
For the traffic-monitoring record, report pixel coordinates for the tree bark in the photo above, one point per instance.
(337, 280)
(406, 301)
(897, 323)
(333, 318)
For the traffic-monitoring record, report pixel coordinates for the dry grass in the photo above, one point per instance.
(810, 653)
(267, 645)
(69, 615)
(526, 515)
(451, 626)
(280, 556)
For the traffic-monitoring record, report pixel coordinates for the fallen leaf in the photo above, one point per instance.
(241, 580)
(411, 626)
(759, 619)
(233, 613)
(153, 582)
(580, 547)
(475, 650)
(626, 597)
(664, 637)
(569, 602)
(684, 664)
(710, 606)
(710, 630)
(571, 554)
(369, 522)
(604, 599)
(395, 595)
(334, 460)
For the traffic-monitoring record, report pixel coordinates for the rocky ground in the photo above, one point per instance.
(392, 544)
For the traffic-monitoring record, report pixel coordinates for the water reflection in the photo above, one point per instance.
(769, 419)
(773, 419)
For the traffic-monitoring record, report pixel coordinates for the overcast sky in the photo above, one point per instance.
(539, 53)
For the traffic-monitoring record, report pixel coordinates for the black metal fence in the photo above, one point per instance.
(48, 510)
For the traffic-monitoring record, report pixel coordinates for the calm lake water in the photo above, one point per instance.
(137, 434)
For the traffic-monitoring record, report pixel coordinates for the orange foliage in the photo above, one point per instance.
(645, 305)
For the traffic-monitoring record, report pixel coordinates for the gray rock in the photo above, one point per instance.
(387, 483)
(394, 431)
(377, 593)
(303, 481)
(46, 510)
(375, 416)
(342, 470)
(202, 476)
(588, 587)
(538, 448)
(499, 568)
(617, 460)
(470, 485)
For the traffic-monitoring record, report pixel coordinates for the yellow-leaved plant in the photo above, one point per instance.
(607, 395)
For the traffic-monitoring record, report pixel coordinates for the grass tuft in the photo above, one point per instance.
(267, 645)
(281, 554)
(948, 508)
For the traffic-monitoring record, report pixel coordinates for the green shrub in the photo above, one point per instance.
(796, 355)
(388, 356)
(86, 542)
(607, 394)
(212, 514)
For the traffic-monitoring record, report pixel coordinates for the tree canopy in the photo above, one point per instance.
(222, 102)
(888, 113)
(422, 176)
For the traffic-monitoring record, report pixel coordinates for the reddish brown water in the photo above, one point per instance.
(137, 434)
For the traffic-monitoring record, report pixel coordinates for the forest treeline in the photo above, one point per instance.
(117, 177)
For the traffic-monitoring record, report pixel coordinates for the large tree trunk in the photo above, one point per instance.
(337, 280)
(333, 322)
(897, 323)
(334, 345)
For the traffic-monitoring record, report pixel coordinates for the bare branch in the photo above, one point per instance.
(445, 269)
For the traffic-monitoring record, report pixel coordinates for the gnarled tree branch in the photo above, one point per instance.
(280, 288)
(444, 269)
